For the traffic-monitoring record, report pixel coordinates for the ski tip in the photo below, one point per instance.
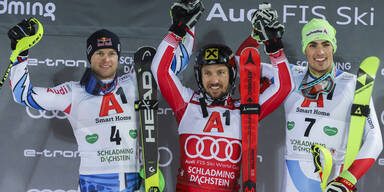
(370, 65)
(372, 60)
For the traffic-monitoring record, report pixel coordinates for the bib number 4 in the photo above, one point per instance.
(115, 135)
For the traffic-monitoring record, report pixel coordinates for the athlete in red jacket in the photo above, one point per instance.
(209, 119)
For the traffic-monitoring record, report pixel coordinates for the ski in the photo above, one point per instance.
(147, 104)
(250, 110)
(360, 107)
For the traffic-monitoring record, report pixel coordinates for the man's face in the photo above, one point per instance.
(104, 63)
(215, 79)
(320, 56)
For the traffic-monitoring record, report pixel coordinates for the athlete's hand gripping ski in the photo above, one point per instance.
(23, 36)
(344, 183)
(185, 15)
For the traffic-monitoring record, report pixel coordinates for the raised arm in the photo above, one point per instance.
(276, 78)
(173, 54)
(57, 98)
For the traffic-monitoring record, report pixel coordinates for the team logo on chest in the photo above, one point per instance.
(109, 103)
(214, 122)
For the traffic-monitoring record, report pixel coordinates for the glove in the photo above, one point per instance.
(267, 29)
(344, 183)
(161, 178)
(185, 15)
(23, 29)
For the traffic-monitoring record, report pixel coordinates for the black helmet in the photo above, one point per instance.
(216, 54)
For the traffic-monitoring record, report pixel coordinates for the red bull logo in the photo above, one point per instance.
(104, 41)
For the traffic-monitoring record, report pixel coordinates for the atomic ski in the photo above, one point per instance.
(360, 107)
(147, 106)
(250, 110)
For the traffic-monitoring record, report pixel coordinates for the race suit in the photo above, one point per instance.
(326, 122)
(210, 148)
(105, 127)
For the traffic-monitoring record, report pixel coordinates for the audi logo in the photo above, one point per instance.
(209, 148)
(37, 114)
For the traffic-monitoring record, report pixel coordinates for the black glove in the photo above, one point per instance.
(185, 15)
(23, 29)
(267, 29)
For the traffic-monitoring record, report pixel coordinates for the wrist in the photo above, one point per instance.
(349, 185)
(24, 53)
(273, 45)
(179, 29)
(347, 179)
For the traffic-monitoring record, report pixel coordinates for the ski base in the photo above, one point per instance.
(147, 107)
(249, 109)
(360, 108)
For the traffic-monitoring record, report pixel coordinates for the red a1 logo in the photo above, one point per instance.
(109, 103)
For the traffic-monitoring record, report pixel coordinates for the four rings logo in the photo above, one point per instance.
(37, 114)
(209, 148)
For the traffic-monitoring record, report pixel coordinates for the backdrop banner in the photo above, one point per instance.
(38, 148)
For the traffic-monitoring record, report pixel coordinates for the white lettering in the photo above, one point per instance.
(380, 161)
(126, 60)
(345, 66)
(232, 17)
(316, 13)
(57, 62)
(25, 8)
(16, 5)
(348, 18)
(220, 14)
(285, 12)
(164, 111)
(303, 19)
(51, 154)
(359, 18)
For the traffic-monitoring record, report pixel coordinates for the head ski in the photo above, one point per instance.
(147, 104)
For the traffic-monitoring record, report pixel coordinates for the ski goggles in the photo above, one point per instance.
(321, 85)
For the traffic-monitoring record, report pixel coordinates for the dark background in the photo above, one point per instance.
(38, 149)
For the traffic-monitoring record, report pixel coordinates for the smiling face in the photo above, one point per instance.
(215, 79)
(320, 56)
(104, 63)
